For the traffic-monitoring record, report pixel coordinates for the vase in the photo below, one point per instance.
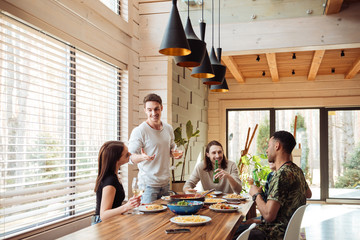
(177, 186)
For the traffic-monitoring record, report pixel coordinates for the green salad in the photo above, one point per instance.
(182, 203)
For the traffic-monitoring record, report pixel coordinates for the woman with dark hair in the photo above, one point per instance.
(227, 173)
(109, 191)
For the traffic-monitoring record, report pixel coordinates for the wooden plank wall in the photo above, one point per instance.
(153, 72)
(189, 102)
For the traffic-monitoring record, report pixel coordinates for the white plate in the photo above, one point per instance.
(234, 199)
(207, 219)
(225, 210)
(216, 192)
(165, 198)
(218, 200)
(144, 209)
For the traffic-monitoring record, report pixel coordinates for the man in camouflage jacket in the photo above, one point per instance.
(287, 190)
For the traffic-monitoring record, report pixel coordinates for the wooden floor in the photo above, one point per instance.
(332, 222)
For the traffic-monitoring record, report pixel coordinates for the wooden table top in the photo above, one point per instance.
(153, 225)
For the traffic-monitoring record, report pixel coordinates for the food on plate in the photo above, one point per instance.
(222, 206)
(214, 200)
(233, 196)
(166, 198)
(189, 219)
(209, 195)
(154, 207)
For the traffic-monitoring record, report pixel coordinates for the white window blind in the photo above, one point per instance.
(120, 7)
(58, 106)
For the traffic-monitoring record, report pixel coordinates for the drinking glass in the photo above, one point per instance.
(177, 151)
(138, 189)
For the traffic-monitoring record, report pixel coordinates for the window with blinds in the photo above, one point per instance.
(58, 106)
(120, 7)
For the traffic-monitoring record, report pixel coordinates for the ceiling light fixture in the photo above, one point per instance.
(293, 72)
(294, 56)
(197, 47)
(342, 53)
(223, 87)
(258, 58)
(205, 70)
(218, 68)
(174, 42)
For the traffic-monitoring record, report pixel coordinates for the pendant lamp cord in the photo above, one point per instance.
(188, 9)
(202, 11)
(219, 23)
(212, 20)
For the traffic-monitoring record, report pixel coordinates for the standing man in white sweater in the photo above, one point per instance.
(151, 145)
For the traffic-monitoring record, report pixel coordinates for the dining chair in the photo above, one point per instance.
(293, 229)
(245, 234)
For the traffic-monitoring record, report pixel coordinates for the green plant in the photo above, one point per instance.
(180, 141)
(351, 176)
(250, 163)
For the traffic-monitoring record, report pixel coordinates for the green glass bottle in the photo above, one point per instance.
(215, 180)
(256, 179)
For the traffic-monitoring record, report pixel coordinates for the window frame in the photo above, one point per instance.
(121, 94)
(324, 157)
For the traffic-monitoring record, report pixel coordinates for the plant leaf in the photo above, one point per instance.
(178, 137)
(196, 134)
(178, 164)
(189, 129)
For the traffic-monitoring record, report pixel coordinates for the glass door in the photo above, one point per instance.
(344, 153)
(307, 151)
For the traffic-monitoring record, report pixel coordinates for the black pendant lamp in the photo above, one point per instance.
(218, 68)
(174, 42)
(205, 70)
(197, 47)
(223, 87)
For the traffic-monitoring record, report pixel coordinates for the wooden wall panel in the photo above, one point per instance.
(189, 103)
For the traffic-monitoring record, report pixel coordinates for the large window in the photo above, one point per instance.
(307, 151)
(328, 145)
(119, 7)
(344, 153)
(58, 106)
(241, 125)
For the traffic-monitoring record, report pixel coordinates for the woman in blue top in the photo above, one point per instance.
(109, 191)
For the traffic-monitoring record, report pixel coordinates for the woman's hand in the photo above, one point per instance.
(221, 173)
(133, 203)
(190, 191)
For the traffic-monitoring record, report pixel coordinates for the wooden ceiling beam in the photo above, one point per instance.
(315, 64)
(271, 59)
(354, 69)
(333, 6)
(233, 68)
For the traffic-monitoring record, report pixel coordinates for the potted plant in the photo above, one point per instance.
(250, 163)
(182, 142)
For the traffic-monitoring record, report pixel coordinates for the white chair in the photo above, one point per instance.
(245, 234)
(293, 229)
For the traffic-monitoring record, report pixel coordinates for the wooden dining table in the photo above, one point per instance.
(152, 226)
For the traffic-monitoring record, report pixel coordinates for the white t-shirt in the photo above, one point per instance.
(155, 173)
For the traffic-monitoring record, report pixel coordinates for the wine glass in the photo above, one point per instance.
(137, 189)
(177, 151)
